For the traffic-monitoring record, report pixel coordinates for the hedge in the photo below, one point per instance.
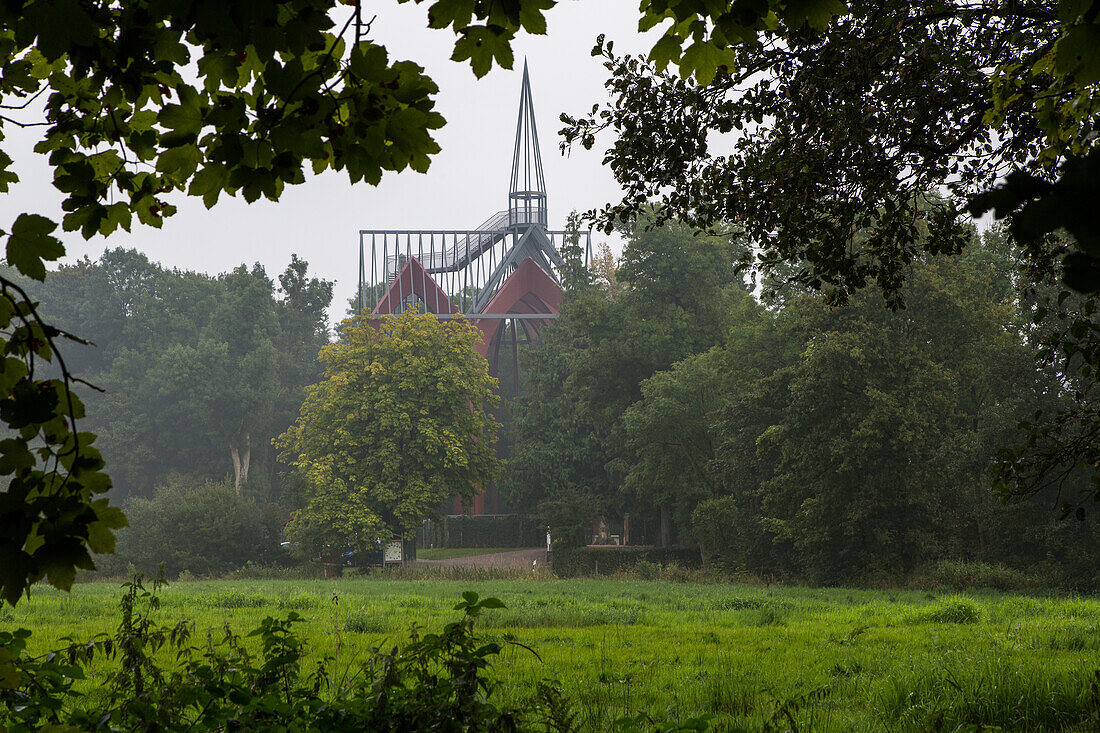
(489, 530)
(586, 561)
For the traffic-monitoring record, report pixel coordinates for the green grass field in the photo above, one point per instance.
(837, 660)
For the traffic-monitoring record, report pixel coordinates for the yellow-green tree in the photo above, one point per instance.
(395, 428)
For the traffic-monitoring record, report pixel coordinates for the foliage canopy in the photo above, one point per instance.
(842, 126)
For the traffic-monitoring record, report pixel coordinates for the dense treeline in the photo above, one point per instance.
(790, 438)
(198, 373)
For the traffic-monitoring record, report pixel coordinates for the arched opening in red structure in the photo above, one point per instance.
(413, 282)
(527, 291)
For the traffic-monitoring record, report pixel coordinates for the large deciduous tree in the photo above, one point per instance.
(672, 431)
(878, 437)
(398, 426)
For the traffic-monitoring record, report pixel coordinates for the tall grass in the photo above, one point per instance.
(992, 694)
(827, 659)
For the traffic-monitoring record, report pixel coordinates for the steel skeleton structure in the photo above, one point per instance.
(503, 276)
(468, 267)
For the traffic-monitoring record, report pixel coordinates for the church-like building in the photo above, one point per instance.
(502, 276)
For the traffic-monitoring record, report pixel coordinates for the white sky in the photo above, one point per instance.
(467, 181)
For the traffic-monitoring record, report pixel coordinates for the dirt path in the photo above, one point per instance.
(514, 559)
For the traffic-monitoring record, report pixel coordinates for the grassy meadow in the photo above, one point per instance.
(826, 659)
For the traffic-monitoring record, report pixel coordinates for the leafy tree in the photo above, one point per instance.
(676, 304)
(395, 428)
(669, 440)
(673, 431)
(680, 289)
(843, 123)
(883, 429)
(674, 301)
(605, 271)
(576, 276)
(303, 330)
(1059, 452)
(559, 451)
(559, 448)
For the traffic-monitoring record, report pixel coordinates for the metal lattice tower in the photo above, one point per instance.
(467, 267)
(527, 195)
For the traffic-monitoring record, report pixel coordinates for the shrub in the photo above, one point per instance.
(203, 527)
(645, 569)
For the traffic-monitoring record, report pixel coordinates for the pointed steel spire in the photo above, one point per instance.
(527, 195)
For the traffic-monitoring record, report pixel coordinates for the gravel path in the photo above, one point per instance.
(514, 559)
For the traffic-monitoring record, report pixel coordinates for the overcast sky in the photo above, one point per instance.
(467, 181)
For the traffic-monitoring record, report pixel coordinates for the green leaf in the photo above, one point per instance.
(816, 13)
(101, 539)
(369, 61)
(211, 178)
(1078, 53)
(31, 244)
(457, 13)
(14, 455)
(482, 44)
(184, 119)
(17, 570)
(666, 51)
(60, 558)
(181, 160)
(703, 59)
(531, 16)
(7, 177)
